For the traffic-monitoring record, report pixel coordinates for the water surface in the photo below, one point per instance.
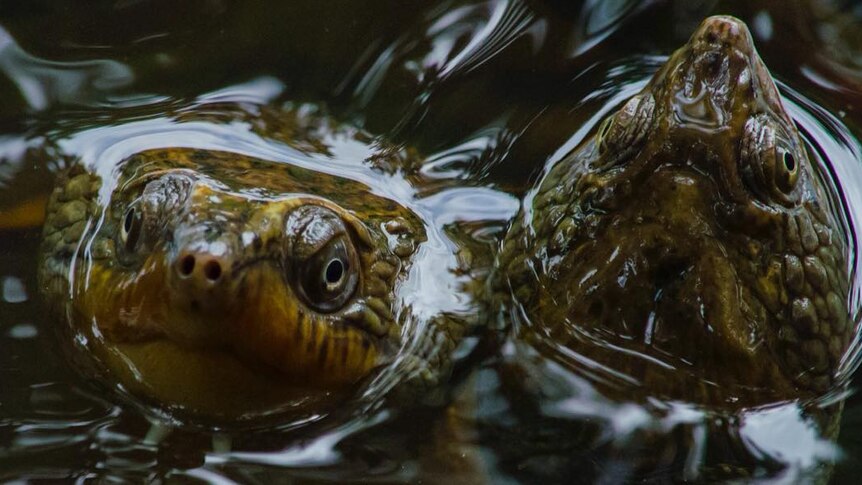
(491, 92)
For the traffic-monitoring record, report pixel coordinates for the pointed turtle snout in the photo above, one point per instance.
(724, 31)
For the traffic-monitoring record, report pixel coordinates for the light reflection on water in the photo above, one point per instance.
(44, 83)
(49, 410)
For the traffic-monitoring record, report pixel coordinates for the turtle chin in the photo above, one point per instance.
(672, 317)
(660, 279)
(199, 315)
(662, 293)
(697, 313)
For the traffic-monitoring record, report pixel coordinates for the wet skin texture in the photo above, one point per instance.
(686, 247)
(291, 270)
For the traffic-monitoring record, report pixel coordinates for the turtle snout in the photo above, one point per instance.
(200, 268)
(723, 30)
(199, 274)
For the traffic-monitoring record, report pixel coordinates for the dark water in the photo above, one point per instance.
(491, 92)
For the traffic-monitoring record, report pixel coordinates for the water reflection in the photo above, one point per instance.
(547, 424)
(600, 19)
(43, 83)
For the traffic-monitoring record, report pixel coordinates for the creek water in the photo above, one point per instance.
(491, 93)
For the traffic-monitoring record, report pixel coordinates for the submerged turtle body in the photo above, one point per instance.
(687, 248)
(180, 260)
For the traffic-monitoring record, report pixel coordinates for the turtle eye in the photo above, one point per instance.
(130, 231)
(769, 164)
(787, 170)
(622, 134)
(333, 275)
(328, 278)
(601, 135)
(322, 263)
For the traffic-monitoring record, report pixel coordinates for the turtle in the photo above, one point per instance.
(686, 263)
(220, 284)
(689, 243)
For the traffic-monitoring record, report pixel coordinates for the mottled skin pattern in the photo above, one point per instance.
(217, 250)
(688, 247)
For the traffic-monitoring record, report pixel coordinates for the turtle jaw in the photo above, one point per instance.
(254, 314)
(257, 317)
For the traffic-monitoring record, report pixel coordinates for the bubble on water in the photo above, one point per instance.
(13, 290)
(763, 25)
(23, 331)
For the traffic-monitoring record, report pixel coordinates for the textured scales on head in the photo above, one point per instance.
(283, 277)
(691, 227)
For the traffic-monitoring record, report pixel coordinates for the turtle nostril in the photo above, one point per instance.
(711, 36)
(212, 270)
(187, 265)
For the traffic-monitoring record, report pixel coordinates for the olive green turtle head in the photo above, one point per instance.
(288, 269)
(692, 229)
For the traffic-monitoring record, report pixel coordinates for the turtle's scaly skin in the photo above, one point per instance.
(216, 250)
(688, 247)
